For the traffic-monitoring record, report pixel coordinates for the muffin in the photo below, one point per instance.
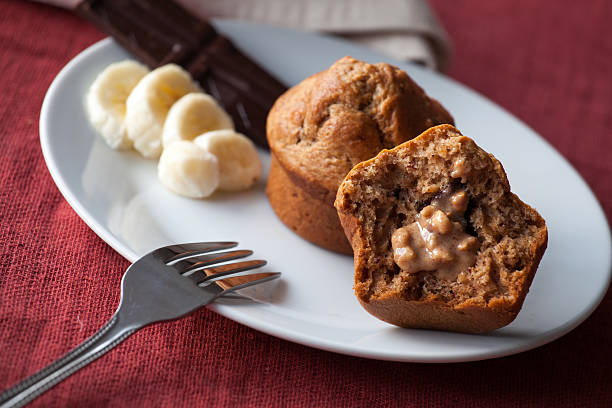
(439, 240)
(319, 129)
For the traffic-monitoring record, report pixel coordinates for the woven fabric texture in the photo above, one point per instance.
(549, 63)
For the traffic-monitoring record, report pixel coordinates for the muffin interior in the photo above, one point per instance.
(389, 192)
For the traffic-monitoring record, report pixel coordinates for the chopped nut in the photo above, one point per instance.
(441, 255)
(467, 244)
(430, 240)
(404, 257)
(460, 168)
(432, 188)
(428, 211)
(400, 237)
(440, 223)
(459, 201)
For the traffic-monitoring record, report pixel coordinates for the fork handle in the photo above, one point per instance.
(109, 336)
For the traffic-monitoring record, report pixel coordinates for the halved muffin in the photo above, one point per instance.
(439, 240)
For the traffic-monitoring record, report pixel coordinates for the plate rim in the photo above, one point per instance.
(51, 163)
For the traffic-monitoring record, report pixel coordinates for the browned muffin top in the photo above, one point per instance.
(321, 128)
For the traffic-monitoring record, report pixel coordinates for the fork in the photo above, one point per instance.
(165, 284)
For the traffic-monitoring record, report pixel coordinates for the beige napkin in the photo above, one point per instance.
(404, 29)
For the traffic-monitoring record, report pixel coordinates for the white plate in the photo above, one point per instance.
(118, 196)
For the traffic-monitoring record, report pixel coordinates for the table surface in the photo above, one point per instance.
(549, 63)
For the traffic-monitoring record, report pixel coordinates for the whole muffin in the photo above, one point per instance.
(319, 129)
(440, 241)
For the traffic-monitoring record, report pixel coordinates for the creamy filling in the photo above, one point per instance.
(437, 241)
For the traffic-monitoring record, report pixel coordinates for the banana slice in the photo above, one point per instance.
(188, 170)
(106, 101)
(239, 163)
(192, 115)
(149, 103)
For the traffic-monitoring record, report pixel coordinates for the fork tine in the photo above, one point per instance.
(172, 253)
(201, 273)
(232, 284)
(195, 262)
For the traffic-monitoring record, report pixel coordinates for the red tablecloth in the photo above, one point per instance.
(549, 63)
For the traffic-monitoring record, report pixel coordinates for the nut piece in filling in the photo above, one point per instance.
(436, 241)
